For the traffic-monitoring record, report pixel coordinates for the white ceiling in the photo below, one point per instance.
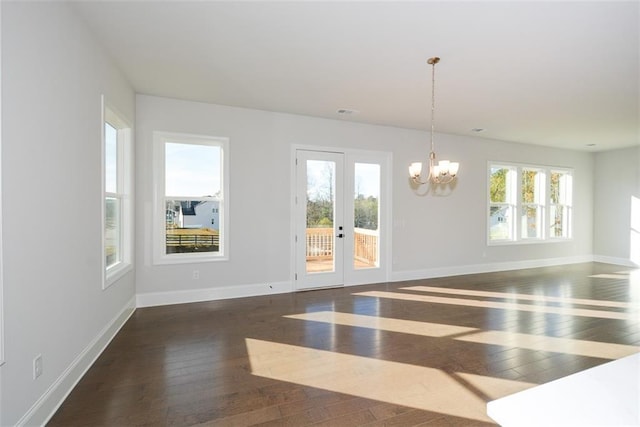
(562, 74)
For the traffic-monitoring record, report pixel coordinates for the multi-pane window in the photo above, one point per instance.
(539, 196)
(191, 184)
(117, 218)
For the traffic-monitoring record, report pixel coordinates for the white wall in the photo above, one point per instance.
(260, 150)
(617, 180)
(52, 77)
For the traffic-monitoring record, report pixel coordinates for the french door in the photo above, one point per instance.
(340, 220)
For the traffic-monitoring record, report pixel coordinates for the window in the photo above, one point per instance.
(191, 184)
(540, 196)
(560, 204)
(532, 197)
(117, 208)
(502, 203)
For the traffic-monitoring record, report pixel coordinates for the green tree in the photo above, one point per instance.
(366, 212)
(498, 185)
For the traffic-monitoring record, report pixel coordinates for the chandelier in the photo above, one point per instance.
(445, 171)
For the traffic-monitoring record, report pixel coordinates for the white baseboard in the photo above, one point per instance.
(400, 276)
(44, 408)
(210, 294)
(617, 261)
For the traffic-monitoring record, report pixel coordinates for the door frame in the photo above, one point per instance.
(385, 159)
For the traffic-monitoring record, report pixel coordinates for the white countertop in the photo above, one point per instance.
(607, 395)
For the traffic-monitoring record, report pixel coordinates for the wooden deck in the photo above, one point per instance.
(320, 265)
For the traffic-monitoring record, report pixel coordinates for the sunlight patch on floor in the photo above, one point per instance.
(507, 339)
(601, 350)
(528, 297)
(403, 384)
(384, 323)
(500, 305)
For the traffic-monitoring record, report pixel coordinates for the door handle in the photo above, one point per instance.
(340, 235)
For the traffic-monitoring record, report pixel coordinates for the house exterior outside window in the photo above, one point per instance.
(191, 182)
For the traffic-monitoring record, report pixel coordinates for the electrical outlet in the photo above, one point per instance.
(37, 366)
(196, 274)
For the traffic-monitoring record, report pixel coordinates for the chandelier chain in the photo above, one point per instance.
(433, 102)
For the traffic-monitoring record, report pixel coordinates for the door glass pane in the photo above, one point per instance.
(320, 216)
(366, 231)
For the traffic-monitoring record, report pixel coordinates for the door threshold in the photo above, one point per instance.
(320, 288)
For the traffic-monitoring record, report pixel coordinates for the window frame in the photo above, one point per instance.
(2, 361)
(568, 205)
(538, 203)
(160, 139)
(511, 202)
(543, 203)
(124, 188)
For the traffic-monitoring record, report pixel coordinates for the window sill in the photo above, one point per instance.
(115, 273)
(188, 259)
(527, 242)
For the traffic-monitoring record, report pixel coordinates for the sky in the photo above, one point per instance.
(366, 178)
(111, 158)
(192, 170)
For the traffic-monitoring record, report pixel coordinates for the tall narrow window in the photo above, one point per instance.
(192, 184)
(560, 204)
(532, 196)
(117, 218)
(502, 202)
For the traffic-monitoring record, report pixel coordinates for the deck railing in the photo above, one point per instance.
(366, 245)
(320, 245)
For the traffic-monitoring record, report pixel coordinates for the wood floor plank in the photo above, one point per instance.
(260, 361)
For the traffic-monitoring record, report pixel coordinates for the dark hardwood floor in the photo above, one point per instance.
(425, 352)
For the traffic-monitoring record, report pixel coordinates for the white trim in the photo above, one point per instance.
(1, 252)
(613, 260)
(240, 291)
(487, 268)
(44, 408)
(125, 173)
(160, 139)
(153, 299)
(385, 159)
(517, 204)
